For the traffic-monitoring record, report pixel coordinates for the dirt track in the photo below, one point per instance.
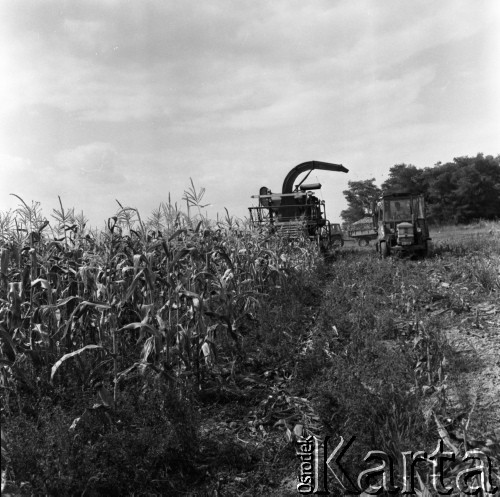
(476, 389)
(476, 343)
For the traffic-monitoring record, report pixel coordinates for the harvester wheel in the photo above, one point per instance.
(425, 251)
(324, 244)
(384, 249)
(362, 242)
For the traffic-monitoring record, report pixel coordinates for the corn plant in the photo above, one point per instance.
(170, 295)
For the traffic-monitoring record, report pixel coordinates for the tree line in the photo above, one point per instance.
(461, 191)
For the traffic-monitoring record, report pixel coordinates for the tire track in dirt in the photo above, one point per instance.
(476, 385)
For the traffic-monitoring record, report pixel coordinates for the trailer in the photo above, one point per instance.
(363, 231)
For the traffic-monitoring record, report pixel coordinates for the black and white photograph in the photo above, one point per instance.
(250, 248)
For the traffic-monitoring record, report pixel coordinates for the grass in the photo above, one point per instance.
(380, 360)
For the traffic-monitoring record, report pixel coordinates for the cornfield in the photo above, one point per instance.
(162, 355)
(166, 300)
(171, 294)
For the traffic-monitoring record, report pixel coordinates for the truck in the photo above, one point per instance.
(363, 231)
(401, 224)
(297, 211)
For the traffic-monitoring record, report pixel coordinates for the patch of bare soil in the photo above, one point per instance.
(475, 387)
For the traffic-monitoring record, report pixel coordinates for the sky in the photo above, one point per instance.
(127, 100)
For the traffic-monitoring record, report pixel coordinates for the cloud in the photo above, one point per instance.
(97, 163)
(175, 60)
(16, 173)
(20, 176)
(133, 98)
(12, 163)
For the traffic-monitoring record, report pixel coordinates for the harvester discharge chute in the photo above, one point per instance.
(296, 211)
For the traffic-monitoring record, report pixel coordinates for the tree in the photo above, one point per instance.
(360, 196)
(405, 178)
(463, 190)
(441, 182)
(478, 189)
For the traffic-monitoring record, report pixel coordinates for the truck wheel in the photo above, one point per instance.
(384, 249)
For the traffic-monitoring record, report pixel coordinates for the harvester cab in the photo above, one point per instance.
(401, 223)
(296, 211)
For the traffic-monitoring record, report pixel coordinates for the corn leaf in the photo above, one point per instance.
(226, 258)
(5, 336)
(178, 256)
(55, 367)
(176, 234)
(424, 492)
(143, 326)
(138, 258)
(443, 433)
(132, 286)
(44, 283)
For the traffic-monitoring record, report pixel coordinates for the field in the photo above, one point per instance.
(181, 356)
